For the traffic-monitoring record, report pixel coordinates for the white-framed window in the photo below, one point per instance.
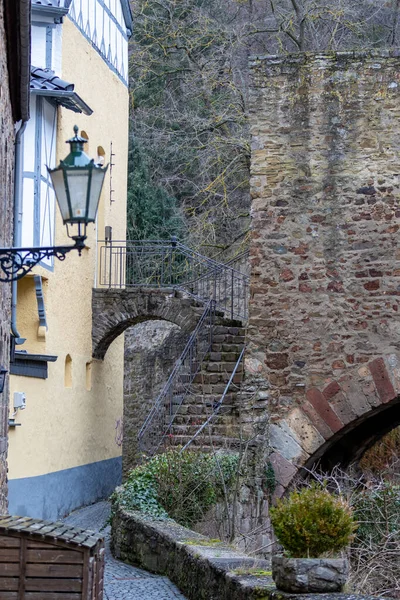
(38, 198)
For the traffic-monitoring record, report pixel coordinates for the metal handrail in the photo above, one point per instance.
(162, 263)
(219, 403)
(155, 428)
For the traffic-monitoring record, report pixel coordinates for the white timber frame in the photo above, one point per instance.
(103, 24)
(39, 145)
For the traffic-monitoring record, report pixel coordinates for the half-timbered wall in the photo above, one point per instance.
(46, 44)
(102, 23)
(38, 199)
(38, 210)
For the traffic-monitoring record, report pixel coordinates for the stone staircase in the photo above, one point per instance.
(195, 395)
(207, 389)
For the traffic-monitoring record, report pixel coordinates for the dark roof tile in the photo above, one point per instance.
(55, 3)
(45, 79)
(45, 82)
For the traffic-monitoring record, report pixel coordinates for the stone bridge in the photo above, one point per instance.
(114, 310)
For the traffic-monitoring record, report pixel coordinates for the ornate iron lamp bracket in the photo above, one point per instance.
(15, 263)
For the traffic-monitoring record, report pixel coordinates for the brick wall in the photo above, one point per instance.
(6, 220)
(325, 248)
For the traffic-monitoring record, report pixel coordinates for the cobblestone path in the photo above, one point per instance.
(122, 581)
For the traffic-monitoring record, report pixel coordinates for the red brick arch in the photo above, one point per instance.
(336, 424)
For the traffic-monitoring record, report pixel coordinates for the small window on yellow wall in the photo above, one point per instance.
(68, 372)
(101, 155)
(85, 135)
(88, 376)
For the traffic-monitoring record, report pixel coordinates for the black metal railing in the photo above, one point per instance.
(219, 404)
(162, 263)
(240, 262)
(161, 417)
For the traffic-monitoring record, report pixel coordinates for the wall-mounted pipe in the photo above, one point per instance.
(17, 225)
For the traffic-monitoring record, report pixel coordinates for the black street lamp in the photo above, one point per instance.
(77, 183)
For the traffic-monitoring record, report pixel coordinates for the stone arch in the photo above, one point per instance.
(337, 424)
(113, 311)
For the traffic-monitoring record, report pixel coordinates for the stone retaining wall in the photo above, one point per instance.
(151, 350)
(203, 569)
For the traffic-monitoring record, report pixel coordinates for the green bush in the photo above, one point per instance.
(312, 522)
(182, 486)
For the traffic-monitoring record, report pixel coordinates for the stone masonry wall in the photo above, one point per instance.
(325, 246)
(6, 221)
(151, 350)
(325, 250)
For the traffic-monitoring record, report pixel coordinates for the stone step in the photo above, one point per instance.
(216, 432)
(227, 413)
(228, 339)
(223, 356)
(207, 408)
(222, 367)
(206, 390)
(205, 378)
(223, 347)
(216, 389)
(219, 316)
(211, 399)
(204, 441)
(198, 420)
(226, 330)
(198, 402)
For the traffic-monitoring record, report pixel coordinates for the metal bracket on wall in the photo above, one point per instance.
(15, 263)
(112, 164)
(40, 301)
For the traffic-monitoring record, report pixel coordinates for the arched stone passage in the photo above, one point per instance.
(337, 424)
(113, 311)
(151, 351)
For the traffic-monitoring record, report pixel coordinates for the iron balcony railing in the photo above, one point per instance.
(161, 417)
(162, 263)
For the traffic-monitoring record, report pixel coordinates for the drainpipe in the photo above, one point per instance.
(17, 225)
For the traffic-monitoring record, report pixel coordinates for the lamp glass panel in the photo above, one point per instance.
(78, 185)
(57, 178)
(95, 191)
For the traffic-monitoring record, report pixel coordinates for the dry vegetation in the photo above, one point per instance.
(190, 151)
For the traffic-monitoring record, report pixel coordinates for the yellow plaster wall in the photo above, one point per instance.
(66, 427)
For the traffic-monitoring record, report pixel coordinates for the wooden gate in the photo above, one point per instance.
(40, 560)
